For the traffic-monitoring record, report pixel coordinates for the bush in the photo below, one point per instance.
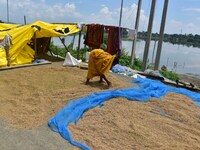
(124, 59)
(137, 64)
(57, 50)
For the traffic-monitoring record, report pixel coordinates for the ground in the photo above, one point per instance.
(31, 96)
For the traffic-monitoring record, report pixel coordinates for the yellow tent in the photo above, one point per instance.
(22, 49)
(5, 26)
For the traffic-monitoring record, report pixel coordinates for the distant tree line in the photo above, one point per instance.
(183, 39)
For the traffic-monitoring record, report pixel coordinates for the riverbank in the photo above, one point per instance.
(190, 79)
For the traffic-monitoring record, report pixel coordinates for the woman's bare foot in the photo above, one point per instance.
(100, 81)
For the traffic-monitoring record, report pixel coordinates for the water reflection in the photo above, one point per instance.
(178, 58)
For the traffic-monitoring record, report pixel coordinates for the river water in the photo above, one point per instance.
(177, 58)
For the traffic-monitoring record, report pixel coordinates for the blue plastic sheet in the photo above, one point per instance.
(118, 68)
(75, 109)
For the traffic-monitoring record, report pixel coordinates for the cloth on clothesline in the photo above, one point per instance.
(131, 34)
(94, 35)
(114, 40)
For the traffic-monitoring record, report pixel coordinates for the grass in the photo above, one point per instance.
(170, 75)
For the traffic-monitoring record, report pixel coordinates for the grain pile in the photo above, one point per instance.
(30, 96)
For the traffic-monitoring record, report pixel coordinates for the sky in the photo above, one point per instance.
(183, 16)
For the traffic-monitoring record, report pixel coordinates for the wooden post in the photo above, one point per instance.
(79, 43)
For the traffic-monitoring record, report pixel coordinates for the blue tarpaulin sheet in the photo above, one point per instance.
(75, 109)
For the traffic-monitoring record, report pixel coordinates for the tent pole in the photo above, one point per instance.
(7, 55)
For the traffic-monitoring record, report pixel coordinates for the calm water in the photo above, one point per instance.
(179, 58)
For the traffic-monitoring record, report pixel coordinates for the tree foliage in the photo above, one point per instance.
(181, 39)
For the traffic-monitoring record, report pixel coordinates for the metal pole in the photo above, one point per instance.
(162, 28)
(136, 30)
(25, 20)
(147, 44)
(120, 18)
(7, 12)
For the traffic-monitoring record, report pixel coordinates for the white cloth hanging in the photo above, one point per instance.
(131, 34)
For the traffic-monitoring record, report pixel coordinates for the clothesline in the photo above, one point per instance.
(95, 37)
(131, 33)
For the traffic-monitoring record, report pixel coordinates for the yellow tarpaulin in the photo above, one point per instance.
(5, 26)
(20, 51)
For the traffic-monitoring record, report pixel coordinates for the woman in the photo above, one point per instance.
(99, 64)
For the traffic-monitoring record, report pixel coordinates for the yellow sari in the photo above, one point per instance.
(99, 63)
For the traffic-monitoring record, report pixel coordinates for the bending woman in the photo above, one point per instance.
(99, 64)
